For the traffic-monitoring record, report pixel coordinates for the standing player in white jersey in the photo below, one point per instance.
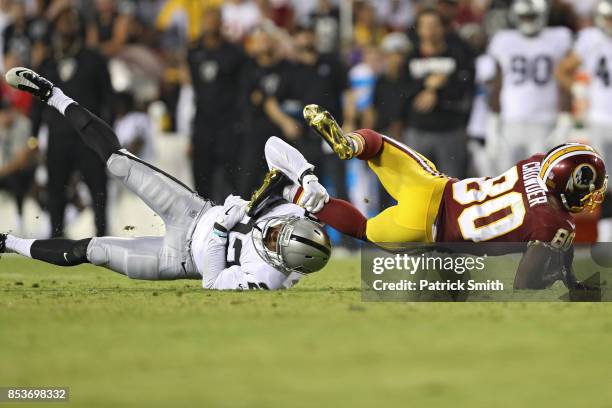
(526, 93)
(592, 53)
(221, 245)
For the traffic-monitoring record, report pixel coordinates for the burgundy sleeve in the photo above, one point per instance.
(373, 143)
(341, 216)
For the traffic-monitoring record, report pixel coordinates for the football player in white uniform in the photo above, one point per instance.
(221, 245)
(592, 53)
(526, 93)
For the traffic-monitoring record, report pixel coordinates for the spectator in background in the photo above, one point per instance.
(25, 36)
(110, 29)
(187, 15)
(325, 20)
(83, 74)
(386, 112)
(279, 12)
(440, 94)
(239, 18)
(450, 10)
(17, 154)
(366, 30)
(396, 15)
(215, 66)
(266, 81)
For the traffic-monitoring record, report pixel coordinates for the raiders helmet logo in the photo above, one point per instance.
(209, 70)
(66, 69)
(584, 177)
(270, 83)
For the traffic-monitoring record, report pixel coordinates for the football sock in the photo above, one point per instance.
(62, 252)
(59, 101)
(371, 143)
(357, 143)
(20, 246)
(93, 131)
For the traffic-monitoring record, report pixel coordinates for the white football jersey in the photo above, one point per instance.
(594, 48)
(245, 269)
(529, 89)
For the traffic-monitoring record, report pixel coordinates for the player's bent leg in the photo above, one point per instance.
(165, 195)
(397, 224)
(397, 166)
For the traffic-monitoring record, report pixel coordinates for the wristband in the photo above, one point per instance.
(304, 174)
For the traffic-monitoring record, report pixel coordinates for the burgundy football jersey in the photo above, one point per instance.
(513, 207)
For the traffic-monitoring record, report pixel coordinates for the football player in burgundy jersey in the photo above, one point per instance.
(532, 202)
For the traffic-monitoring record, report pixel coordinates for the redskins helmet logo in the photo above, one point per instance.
(584, 177)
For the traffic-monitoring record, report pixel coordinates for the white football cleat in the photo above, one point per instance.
(27, 80)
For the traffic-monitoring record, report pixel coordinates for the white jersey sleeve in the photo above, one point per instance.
(280, 155)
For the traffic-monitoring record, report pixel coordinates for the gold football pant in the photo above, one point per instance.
(413, 181)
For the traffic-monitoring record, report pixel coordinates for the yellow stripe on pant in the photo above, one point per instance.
(417, 186)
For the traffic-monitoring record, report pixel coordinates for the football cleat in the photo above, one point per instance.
(272, 187)
(326, 126)
(27, 80)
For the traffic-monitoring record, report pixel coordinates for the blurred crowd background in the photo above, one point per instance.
(197, 86)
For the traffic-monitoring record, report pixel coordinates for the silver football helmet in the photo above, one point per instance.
(529, 16)
(292, 244)
(603, 16)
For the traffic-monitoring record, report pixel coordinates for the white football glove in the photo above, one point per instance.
(314, 195)
(233, 211)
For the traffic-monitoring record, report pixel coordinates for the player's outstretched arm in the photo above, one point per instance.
(542, 265)
(284, 157)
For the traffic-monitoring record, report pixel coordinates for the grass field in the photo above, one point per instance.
(117, 342)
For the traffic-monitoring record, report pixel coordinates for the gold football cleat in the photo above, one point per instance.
(325, 125)
(273, 185)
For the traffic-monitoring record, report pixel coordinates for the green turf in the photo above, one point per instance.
(117, 342)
